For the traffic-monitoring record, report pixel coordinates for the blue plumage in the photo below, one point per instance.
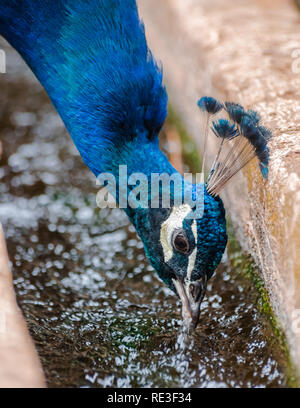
(235, 111)
(209, 104)
(93, 60)
(224, 129)
(255, 116)
(258, 136)
(248, 123)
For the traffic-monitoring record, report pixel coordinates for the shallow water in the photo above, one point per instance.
(95, 308)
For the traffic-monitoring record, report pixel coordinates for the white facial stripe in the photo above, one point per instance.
(192, 257)
(175, 221)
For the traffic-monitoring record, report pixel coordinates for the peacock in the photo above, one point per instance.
(92, 58)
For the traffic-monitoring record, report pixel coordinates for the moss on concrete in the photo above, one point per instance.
(244, 262)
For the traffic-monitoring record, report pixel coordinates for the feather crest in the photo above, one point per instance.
(209, 106)
(241, 139)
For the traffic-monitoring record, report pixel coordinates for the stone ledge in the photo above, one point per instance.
(249, 54)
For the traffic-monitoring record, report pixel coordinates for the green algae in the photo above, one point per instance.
(250, 272)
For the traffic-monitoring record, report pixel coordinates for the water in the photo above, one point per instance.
(95, 308)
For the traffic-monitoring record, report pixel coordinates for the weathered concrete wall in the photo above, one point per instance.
(248, 52)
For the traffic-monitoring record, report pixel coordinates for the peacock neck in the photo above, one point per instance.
(138, 166)
(92, 58)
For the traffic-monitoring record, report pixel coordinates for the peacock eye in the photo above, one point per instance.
(180, 242)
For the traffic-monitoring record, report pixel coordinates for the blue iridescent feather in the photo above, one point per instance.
(209, 104)
(224, 129)
(92, 58)
(94, 62)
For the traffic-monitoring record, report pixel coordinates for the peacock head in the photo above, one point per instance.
(184, 249)
(185, 244)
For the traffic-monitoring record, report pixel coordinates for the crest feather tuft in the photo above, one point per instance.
(241, 139)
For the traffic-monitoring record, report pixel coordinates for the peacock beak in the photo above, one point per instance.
(191, 294)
